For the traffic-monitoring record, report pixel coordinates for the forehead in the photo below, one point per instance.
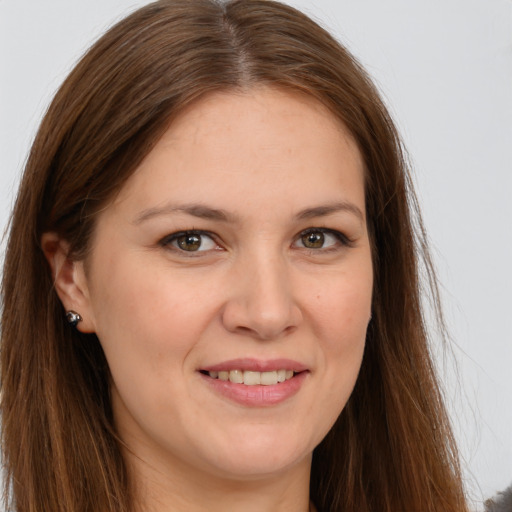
(261, 117)
(254, 145)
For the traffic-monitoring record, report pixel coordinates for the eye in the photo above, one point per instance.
(190, 241)
(319, 238)
(313, 240)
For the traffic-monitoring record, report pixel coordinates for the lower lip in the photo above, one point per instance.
(257, 396)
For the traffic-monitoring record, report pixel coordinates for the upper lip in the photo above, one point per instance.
(256, 365)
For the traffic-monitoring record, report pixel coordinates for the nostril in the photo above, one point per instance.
(263, 312)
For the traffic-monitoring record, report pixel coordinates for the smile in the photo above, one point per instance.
(255, 383)
(253, 378)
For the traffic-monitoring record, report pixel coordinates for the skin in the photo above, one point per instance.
(253, 290)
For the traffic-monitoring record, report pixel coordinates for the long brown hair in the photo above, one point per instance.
(391, 449)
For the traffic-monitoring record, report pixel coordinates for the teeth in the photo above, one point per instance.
(269, 378)
(236, 376)
(253, 378)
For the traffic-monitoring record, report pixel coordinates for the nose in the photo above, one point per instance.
(261, 303)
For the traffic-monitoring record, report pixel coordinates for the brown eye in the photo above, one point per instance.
(313, 240)
(321, 240)
(189, 242)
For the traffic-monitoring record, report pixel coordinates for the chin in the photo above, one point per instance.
(259, 468)
(260, 455)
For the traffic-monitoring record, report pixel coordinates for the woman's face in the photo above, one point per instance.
(230, 286)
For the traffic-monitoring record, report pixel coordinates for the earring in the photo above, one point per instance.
(73, 318)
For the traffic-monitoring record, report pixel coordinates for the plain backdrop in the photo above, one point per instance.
(445, 70)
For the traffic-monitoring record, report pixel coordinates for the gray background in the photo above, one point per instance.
(445, 69)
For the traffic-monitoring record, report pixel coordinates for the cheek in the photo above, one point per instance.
(342, 308)
(138, 294)
(341, 315)
(147, 326)
(149, 318)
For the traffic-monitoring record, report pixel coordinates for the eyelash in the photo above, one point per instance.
(167, 242)
(344, 241)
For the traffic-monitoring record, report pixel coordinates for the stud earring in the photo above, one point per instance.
(73, 318)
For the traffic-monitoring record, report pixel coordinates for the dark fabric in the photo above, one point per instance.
(502, 502)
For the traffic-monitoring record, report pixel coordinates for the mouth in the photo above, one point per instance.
(252, 378)
(255, 383)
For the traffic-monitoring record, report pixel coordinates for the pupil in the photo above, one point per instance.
(189, 242)
(313, 240)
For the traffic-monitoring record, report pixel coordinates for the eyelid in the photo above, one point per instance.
(340, 236)
(342, 241)
(167, 241)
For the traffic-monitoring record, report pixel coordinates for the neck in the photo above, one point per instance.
(182, 489)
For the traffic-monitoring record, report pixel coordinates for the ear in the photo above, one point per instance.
(69, 279)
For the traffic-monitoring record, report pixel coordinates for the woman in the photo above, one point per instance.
(211, 294)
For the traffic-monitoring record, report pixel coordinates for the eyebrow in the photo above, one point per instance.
(329, 209)
(205, 212)
(196, 210)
